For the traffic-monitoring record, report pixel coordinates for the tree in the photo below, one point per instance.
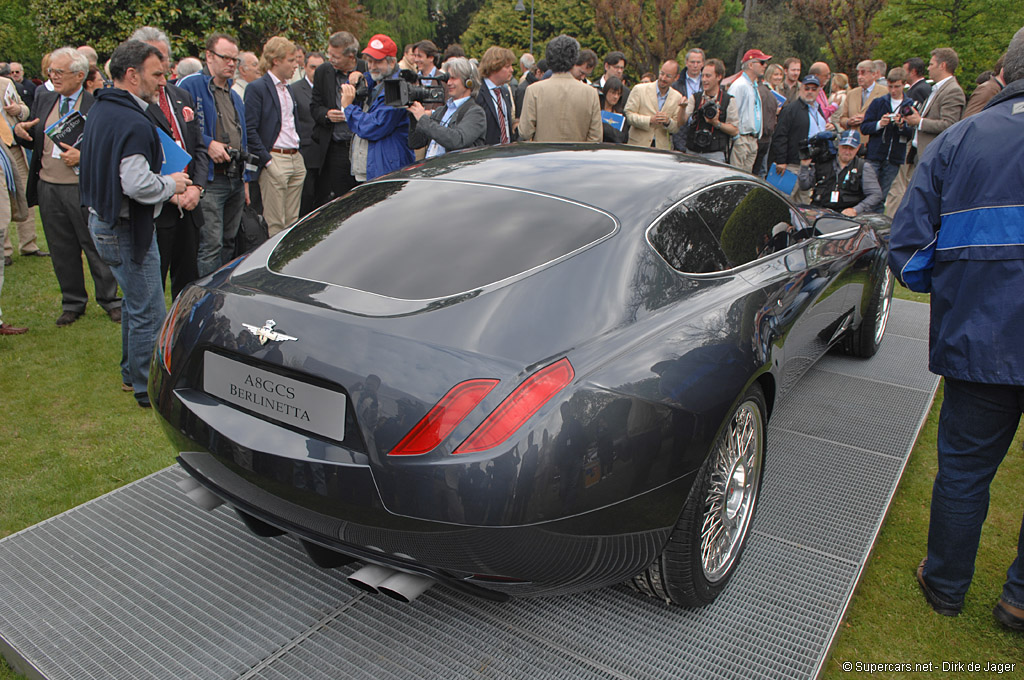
(979, 31)
(498, 23)
(846, 25)
(404, 21)
(19, 36)
(106, 23)
(651, 31)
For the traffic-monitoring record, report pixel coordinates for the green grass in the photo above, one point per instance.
(68, 434)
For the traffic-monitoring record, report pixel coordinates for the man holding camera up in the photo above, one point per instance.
(712, 123)
(887, 146)
(222, 119)
(845, 183)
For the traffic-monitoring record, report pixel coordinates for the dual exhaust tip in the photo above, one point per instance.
(373, 578)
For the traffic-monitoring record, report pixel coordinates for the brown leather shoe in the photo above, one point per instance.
(937, 603)
(115, 314)
(68, 317)
(36, 253)
(8, 329)
(1008, 615)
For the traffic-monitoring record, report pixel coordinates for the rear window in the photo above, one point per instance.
(428, 239)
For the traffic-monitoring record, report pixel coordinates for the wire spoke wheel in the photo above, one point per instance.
(732, 492)
(882, 315)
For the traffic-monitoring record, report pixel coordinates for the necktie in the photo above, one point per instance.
(501, 115)
(64, 105)
(165, 106)
(757, 111)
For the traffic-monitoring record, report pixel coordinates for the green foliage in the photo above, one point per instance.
(404, 21)
(742, 234)
(777, 30)
(105, 23)
(498, 23)
(722, 40)
(979, 31)
(18, 36)
(451, 19)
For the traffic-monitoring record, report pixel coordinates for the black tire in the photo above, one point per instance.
(865, 341)
(683, 574)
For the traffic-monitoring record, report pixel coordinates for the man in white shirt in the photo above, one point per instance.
(748, 108)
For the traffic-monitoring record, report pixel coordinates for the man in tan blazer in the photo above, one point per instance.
(16, 111)
(652, 109)
(561, 108)
(850, 115)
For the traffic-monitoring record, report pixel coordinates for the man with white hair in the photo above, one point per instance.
(247, 71)
(187, 67)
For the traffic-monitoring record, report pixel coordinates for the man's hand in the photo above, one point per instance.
(912, 118)
(190, 198)
(354, 77)
(336, 115)
(849, 212)
(181, 182)
(660, 118)
(884, 120)
(854, 121)
(416, 109)
(830, 127)
(13, 109)
(780, 169)
(70, 155)
(22, 129)
(246, 193)
(348, 94)
(218, 152)
(805, 161)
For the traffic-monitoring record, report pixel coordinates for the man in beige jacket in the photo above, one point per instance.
(850, 115)
(652, 109)
(561, 108)
(15, 111)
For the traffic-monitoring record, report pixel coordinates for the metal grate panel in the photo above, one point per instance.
(140, 584)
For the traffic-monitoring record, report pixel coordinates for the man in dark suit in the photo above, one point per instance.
(53, 186)
(496, 69)
(26, 88)
(302, 92)
(271, 123)
(332, 137)
(177, 231)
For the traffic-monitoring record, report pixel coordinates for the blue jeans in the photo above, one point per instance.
(976, 427)
(222, 213)
(142, 308)
(886, 171)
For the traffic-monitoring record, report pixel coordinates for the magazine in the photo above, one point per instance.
(68, 130)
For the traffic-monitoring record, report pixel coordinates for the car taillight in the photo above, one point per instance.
(518, 407)
(434, 427)
(179, 312)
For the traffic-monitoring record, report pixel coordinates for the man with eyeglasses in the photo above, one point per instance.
(53, 186)
(221, 115)
(747, 103)
(26, 88)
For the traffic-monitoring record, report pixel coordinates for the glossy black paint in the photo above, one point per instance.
(660, 358)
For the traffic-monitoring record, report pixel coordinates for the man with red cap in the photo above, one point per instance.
(747, 105)
(386, 128)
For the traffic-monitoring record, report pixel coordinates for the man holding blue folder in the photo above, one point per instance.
(121, 159)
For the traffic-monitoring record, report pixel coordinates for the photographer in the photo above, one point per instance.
(712, 123)
(845, 183)
(458, 125)
(883, 120)
(800, 119)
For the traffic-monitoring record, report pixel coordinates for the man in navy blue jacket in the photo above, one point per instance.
(386, 128)
(271, 120)
(959, 234)
(886, 151)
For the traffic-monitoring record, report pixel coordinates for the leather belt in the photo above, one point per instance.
(287, 152)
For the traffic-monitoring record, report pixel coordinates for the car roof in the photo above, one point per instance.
(632, 183)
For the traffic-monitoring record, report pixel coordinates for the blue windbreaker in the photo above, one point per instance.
(959, 234)
(386, 128)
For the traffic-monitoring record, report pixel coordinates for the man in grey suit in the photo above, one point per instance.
(945, 106)
(561, 108)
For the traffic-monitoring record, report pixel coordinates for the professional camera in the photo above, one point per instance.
(239, 162)
(819, 148)
(408, 88)
(708, 108)
(908, 108)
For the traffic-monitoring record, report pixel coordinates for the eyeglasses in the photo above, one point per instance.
(230, 60)
(56, 72)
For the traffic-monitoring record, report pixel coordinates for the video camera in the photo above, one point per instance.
(408, 88)
(819, 148)
(239, 162)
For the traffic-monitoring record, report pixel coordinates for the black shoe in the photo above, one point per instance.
(936, 602)
(36, 253)
(68, 317)
(1010, 619)
(142, 399)
(115, 314)
(8, 260)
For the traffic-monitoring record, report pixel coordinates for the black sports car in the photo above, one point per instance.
(521, 370)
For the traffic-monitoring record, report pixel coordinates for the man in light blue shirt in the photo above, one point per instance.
(747, 103)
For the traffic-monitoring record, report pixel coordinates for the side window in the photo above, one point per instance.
(685, 242)
(749, 221)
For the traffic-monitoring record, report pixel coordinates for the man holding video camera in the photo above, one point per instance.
(386, 128)
(801, 119)
(712, 123)
(844, 183)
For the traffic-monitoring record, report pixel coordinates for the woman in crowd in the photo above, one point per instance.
(612, 102)
(93, 80)
(460, 124)
(840, 85)
(774, 77)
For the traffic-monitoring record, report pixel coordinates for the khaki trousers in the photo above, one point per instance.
(281, 190)
(23, 217)
(744, 151)
(898, 188)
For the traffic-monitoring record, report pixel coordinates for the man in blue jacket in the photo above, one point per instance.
(887, 150)
(386, 128)
(959, 234)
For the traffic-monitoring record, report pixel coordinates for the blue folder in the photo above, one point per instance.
(784, 182)
(616, 120)
(176, 159)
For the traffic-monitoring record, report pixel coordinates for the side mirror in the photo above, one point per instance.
(835, 226)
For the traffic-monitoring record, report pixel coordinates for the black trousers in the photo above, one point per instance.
(336, 174)
(178, 240)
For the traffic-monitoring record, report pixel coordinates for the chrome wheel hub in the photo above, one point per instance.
(883, 306)
(732, 493)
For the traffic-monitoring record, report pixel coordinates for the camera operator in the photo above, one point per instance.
(384, 127)
(712, 123)
(845, 183)
(800, 119)
(460, 124)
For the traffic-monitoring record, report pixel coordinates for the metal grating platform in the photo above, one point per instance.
(141, 584)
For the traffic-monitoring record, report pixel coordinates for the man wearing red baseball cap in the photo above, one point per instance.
(747, 103)
(386, 128)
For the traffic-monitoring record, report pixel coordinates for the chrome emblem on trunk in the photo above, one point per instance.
(267, 332)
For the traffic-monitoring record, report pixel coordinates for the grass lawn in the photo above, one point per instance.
(69, 434)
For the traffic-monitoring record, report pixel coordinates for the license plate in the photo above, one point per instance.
(285, 400)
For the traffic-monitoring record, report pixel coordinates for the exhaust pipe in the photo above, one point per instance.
(199, 494)
(370, 577)
(405, 587)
